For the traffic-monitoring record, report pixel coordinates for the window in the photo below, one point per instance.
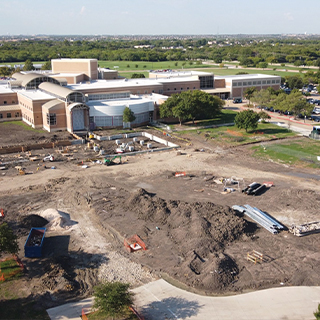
(244, 83)
(254, 83)
(17, 114)
(264, 82)
(268, 81)
(51, 119)
(259, 82)
(1, 116)
(168, 89)
(175, 88)
(249, 83)
(187, 88)
(13, 102)
(8, 115)
(4, 102)
(160, 91)
(273, 81)
(181, 89)
(235, 84)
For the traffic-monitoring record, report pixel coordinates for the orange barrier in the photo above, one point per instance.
(180, 174)
(136, 313)
(83, 315)
(1, 213)
(134, 243)
(2, 277)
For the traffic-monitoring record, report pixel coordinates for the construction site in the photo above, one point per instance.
(208, 219)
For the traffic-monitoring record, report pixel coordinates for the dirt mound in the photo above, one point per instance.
(199, 233)
(33, 221)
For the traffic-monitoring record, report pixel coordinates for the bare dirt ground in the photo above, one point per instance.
(192, 234)
(14, 134)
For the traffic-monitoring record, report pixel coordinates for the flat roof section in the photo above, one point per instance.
(73, 60)
(246, 76)
(35, 94)
(109, 84)
(175, 73)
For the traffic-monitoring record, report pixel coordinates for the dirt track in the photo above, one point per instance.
(186, 222)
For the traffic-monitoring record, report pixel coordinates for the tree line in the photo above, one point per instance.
(258, 52)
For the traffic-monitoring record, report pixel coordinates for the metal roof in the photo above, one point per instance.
(55, 89)
(51, 104)
(11, 107)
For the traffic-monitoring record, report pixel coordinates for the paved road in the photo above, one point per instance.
(159, 300)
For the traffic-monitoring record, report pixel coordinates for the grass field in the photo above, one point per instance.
(300, 152)
(232, 136)
(10, 269)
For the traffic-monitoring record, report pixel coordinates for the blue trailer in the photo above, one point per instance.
(34, 243)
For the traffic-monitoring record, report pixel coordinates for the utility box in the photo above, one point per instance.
(34, 243)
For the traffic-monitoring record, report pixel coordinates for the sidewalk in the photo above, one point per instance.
(160, 300)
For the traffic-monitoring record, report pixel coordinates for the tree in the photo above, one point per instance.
(262, 97)
(317, 313)
(112, 299)
(28, 65)
(46, 66)
(263, 116)
(294, 82)
(293, 102)
(191, 105)
(247, 119)
(128, 115)
(263, 65)
(249, 93)
(137, 75)
(8, 240)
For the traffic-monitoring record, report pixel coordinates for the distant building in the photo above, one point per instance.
(78, 95)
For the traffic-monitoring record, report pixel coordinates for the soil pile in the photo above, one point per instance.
(199, 233)
(32, 221)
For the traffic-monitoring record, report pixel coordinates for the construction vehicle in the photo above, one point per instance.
(20, 170)
(110, 162)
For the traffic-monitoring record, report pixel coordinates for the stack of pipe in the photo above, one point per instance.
(262, 218)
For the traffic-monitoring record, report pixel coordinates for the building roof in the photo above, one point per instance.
(34, 94)
(11, 107)
(55, 89)
(109, 84)
(72, 60)
(246, 76)
(51, 104)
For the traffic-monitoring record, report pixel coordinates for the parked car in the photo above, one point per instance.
(238, 100)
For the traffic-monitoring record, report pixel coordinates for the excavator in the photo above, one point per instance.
(111, 162)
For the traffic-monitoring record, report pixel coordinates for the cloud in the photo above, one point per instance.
(83, 10)
(288, 16)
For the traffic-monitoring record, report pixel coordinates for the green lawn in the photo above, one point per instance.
(232, 136)
(300, 152)
(10, 269)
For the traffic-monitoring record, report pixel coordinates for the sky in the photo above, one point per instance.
(158, 17)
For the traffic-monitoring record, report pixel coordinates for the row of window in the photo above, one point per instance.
(26, 106)
(255, 83)
(6, 102)
(117, 121)
(109, 96)
(9, 115)
(26, 117)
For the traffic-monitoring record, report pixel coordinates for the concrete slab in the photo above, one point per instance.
(70, 310)
(159, 300)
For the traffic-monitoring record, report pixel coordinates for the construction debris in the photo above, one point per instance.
(305, 229)
(255, 256)
(256, 188)
(134, 243)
